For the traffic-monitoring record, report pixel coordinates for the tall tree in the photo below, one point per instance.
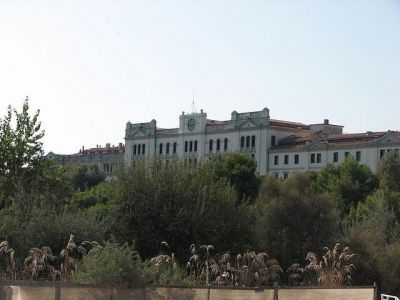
(180, 205)
(389, 172)
(347, 183)
(293, 218)
(240, 170)
(20, 148)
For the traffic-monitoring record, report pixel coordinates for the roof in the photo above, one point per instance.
(289, 124)
(97, 150)
(298, 141)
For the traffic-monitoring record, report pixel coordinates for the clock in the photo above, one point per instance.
(191, 124)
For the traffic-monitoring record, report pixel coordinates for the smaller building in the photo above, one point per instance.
(323, 144)
(108, 159)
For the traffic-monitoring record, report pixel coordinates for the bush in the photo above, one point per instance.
(111, 264)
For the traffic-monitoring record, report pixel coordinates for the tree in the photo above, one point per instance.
(20, 149)
(389, 172)
(347, 183)
(83, 177)
(240, 170)
(179, 204)
(293, 217)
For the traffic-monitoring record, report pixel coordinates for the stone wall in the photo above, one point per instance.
(28, 290)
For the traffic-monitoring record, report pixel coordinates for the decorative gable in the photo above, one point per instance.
(315, 145)
(248, 124)
(138, 133)
(389, 138)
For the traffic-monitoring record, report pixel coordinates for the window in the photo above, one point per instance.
(161, 146)
(358, 155)
(272, 140)
(286, 159)
(138, 149)
(276, 159)
(285, 175)
(134, 149)
(296, 159)
(218, 144)
(186, 146)
(381, 153)
(174, 148)
(318, 158)
(312, 158)
(276, 175)
(225, 144)
(167, 148)
(396, 150)
(190, 146)
(247, 141)
(335, 156)
(195, 146)
(253, 141)
(242, 142)
(210, 146)
(144, 149)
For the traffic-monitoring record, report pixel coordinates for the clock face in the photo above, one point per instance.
(191, 124)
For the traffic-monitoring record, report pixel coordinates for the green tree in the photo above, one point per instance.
(83, 177)
(347, 183)
(180, 205)
(20, 149)
(293, 218)
(111, 264)
(240, 170)
(389, 172)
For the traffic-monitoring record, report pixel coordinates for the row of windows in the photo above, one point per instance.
(218, 145)
(246, 141)
(139, 149)
(286, 159)
(191, 146)
(315, 158)
(167, 148)
(384, 151)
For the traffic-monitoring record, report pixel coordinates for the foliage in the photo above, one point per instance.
(163, 269)
(40, 265)
(83, 177)
(20, 149)
(111, 264)
(293, 217)
(71, 254)
(240, 170)
(389, 171)
(44, 227)
(179, 204)
(7, 259)
(347, 183)
(335, 268)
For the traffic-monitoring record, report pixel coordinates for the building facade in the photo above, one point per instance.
(108, 159)
(279, 147)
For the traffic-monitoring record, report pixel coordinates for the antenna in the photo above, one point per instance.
(193, 107)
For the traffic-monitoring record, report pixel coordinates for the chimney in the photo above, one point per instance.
(108, 145)
(326, 122)
(120, 145)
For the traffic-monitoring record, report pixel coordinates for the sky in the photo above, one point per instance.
(92, 66)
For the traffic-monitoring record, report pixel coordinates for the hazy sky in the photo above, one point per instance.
(91, 66)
